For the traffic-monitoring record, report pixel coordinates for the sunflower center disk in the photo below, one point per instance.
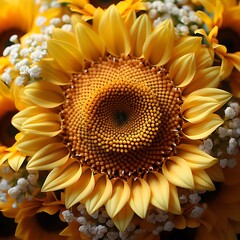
(122, 117)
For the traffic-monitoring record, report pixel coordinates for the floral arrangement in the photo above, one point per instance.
(120, 119)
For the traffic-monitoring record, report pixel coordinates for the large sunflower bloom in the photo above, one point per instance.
(87, 7)
(122, 115)
(222, 21)
(10, 105)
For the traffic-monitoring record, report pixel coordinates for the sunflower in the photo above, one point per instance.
(123, 111)
(39, 219)
(222, 22)
(87, 7)
(10, 105)
(16, 17)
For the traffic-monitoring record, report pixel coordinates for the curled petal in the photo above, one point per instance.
(113, 30)
(67, 56)
(195, 110)
(196, 158)
(201, 103)
(140, 196)
(219, 95)
(29, 144)
(183, 69)
(178, 172)
(62, 177)
(123, 218)
(202, 129)
(89, 42)
(50, 72)
(119, 198)
(141, 28)
(19, 118)
(160, 191)
(44, 94)
(100, 195)
(158, 46)
(45, 124)
(80, 189)
(51, 156)
(202, 181)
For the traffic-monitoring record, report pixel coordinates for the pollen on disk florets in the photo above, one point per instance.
(121, 116)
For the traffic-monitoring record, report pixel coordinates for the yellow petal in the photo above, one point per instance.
(62, 177)
(160, 191)
(44, 94)
(196, 158)
(19, 118)
(123, 218)
(141, 28)
(179, 222)
(114, 32)
(185, 45)
(204, 58)
(100, 195)
(140, 196)
(81, 188)
(65, 36)
(89, 42)
(178, 172)
(215, 173)
(204, 78)
(201, 103)
(51, 156)
(50, 72)
(119, 198)
(174, 204)
(67, 56)
(130, 19)
(220, 95)
(202, 181)
(29, 144)
(16, 160)
(45, 124)
(158, 46)
(202, 129)
(183, 69)
(196, 109)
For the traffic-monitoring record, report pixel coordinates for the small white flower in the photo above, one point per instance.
(168, 226)
(194, 198)
(68, 216)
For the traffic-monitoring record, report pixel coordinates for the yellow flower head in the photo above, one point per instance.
(87, 7)
(116, 117)
(222, 19)
(40, 218)
(16, 17)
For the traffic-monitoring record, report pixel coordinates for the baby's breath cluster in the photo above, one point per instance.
(21, 185)
(24, 53)
(182, 13)
(225, 142)
(99, 225)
